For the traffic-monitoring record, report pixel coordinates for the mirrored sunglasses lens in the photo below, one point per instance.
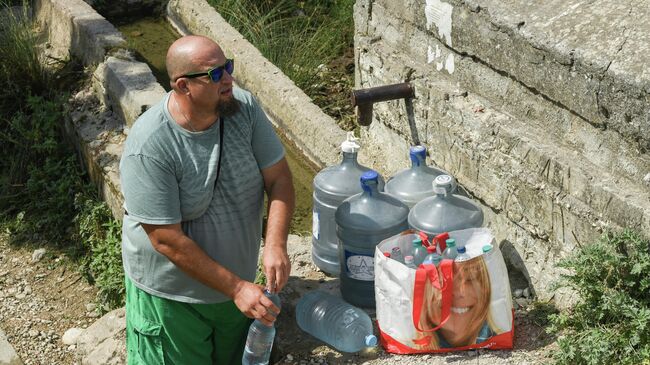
(215, 75)
(229, 66)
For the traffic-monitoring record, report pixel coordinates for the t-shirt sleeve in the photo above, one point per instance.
(150, 190)
(267, 148)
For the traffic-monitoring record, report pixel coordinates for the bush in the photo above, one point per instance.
(101, 235)
(610, 324)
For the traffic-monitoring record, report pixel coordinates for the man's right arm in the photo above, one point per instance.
(171, 241)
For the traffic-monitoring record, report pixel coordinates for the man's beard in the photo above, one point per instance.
(229, 107)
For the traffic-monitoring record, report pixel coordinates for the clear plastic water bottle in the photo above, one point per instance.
(419, 251)
(396, 254)
(408, 261)
(332, 186)
(335, 322)
(450, 252)
(462, 255)
(445, 211)
(432, 256)
(414, 184)
(362, 222)
(260, 339)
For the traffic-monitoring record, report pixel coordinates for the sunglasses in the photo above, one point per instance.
(216, 73)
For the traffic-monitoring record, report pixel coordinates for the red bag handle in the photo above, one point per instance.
(430, 272)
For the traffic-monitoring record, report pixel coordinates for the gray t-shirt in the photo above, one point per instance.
(168, 176)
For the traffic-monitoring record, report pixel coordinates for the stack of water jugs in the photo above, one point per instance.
(353, 212)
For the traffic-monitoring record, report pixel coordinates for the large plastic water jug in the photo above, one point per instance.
(260, 339)
(362, 222)
(414, 184)
(332, 186)
(445, 211)
(335, 322)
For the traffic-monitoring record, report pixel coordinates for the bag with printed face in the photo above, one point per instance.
(449, 307)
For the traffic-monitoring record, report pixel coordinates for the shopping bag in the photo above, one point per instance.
(450, 307)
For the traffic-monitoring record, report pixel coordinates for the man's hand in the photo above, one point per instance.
(250, 300)
(276, 267)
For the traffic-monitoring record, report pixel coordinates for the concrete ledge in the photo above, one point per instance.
(312, 131)
(98, 135)
(75, 28)
(127, 85)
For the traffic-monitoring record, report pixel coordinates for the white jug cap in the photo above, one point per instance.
(443, 184)
(350, 145)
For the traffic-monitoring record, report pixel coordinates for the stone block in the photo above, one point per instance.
(8, 355)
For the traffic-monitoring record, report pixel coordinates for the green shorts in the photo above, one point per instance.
(162, 331)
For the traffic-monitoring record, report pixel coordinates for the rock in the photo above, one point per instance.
(70, 336)
(8, 355)
(37, 255)
(103, 343)
(526, 293)
(33, 333)
(289, 357)
(518, 293)
(91, 307)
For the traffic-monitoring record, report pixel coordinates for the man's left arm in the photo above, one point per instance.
(278, 184)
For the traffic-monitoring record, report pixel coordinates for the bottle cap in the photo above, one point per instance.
(387, 254)
(350, 145)
(461, 249)
(417, 242)
(431, 249)
(451, 242)
(487, 248)
(417, 154)
(371, 341)
(444, 184)
(408, 259)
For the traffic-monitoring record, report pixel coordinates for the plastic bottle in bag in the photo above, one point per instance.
(462, 255)
(444, 211)
(451, 251)
(414, 184)
(335, 322)
(362, 222)
(396, 254)
(419, 251)
(260, 339)
(332, 186)
(408, 261)
(432, 257)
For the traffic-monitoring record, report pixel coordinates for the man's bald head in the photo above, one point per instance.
(187, 54)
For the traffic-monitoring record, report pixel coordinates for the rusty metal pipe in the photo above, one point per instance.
(364, 99)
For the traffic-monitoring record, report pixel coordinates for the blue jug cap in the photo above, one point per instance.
(370, 175)
(461, 249)
(371, 341)
(417, 154)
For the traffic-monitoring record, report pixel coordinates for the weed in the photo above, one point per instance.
(610, 324)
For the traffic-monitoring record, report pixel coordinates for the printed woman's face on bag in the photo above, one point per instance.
(469, 306)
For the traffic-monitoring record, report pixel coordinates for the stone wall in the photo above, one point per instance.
(518, 101)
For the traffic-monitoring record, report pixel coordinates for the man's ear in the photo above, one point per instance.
(181, 85)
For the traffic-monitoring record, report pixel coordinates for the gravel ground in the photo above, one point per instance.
(40, 299)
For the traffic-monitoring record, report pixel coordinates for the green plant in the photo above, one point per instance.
(610, 324)
(21, 71)
(101, 235)
(301, 38)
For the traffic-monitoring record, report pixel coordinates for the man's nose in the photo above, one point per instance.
(227, 78)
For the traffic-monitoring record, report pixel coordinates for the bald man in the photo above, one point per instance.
(194, 171)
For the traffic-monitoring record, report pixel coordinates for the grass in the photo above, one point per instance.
(45, 197)
(304, 39)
